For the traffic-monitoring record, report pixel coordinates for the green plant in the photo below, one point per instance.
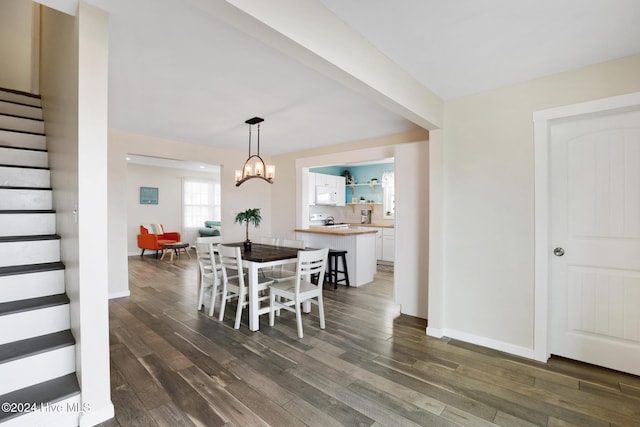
(249, 216)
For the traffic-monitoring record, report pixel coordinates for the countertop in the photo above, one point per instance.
(373, 224)
(334, 231)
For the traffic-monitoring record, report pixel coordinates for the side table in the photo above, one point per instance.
(174, 248)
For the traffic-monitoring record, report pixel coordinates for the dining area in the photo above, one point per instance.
(265, 278)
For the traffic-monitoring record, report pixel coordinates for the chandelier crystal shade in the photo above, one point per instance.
(255, 167)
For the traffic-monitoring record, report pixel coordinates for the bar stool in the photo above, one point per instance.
(332, 268)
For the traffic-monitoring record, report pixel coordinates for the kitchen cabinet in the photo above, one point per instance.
(331, 181)
(385, 243)
(388, 244)
(379, 243)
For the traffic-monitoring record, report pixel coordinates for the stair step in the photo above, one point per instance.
(15, 156)
(23, 124)
(19, 176)
(31, 281)
(37, 368)
(21, 110)
(25, 198)
(36, 345)
(22, 250)
(32, 268)
(33, 317)
(20, 97)
(33, 304)
(27, 222)
(44, 395)
(12, 138)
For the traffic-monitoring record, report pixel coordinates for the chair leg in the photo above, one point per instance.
(142, 253)
(214, 292)
(299, 319)
(200, 292)
(239, 309)
(223, 302)
(344, 267)
(321, 311)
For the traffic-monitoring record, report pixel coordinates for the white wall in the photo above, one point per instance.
(488, 265)
(252, 194)
(15, 44)
(168, 211)
(74, 90)
(410, 285)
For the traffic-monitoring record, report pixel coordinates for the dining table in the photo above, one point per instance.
(262, 256)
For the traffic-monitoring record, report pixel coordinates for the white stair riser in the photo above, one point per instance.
(20, 99)
(33, 323)
(14, 156)
(20, 123)
(24, 177)
(59, 414)
(28, 371)
(29, 252)
(31, 285)
(20, 110)
(24, 140)
(27, 224)
(18, 199)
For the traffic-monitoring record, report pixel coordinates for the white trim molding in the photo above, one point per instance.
(515, 350)
(541, 124)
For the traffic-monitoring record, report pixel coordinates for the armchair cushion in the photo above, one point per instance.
(211, 228)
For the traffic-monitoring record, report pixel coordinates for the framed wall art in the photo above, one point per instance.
(148, 195)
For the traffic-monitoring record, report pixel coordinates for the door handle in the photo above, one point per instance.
(558, 251)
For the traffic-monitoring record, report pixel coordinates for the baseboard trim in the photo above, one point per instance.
(121, 294)
(515, 350)
(434, 332)
(95, 417)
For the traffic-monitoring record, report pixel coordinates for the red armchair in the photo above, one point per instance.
(153, 236)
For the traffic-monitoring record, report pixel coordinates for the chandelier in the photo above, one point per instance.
(255, 167)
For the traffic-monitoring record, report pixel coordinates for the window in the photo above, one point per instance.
(200, 202)
(389, 195)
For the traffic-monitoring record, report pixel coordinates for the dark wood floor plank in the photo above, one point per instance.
(169, 415)
(230, 408)
(195, 407)
(128, 408)
(266, 409)
(355, 373)
(138, 378)
(175, 366)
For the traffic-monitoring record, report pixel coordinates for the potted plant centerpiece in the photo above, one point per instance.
(249, 216)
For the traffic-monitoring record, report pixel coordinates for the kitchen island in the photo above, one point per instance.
(358, 242)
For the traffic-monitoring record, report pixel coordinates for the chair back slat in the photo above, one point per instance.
(311, 263)
(291, 243)
(230, 259)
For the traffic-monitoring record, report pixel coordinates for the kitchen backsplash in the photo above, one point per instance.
(346, 214)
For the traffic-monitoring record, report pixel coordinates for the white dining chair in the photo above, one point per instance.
(208, 274)
(281, 274)
(291, 294)
(234, 284)
(267, 240)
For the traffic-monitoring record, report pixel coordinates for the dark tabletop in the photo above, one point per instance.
(266, 253)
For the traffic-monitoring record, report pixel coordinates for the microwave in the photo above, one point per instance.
(326, 195)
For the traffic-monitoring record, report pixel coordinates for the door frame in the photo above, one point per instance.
(542, 121)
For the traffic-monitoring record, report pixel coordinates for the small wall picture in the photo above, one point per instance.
(148, 195)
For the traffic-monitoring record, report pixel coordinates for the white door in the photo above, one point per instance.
(595, 230)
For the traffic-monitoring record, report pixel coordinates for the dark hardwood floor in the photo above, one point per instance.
(174, 366)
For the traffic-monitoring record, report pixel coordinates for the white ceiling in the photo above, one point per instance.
(181, 74)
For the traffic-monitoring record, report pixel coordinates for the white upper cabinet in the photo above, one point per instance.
(333, 183)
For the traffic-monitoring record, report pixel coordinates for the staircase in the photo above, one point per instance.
(38, 384)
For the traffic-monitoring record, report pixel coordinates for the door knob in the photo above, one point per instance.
(558, 251)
